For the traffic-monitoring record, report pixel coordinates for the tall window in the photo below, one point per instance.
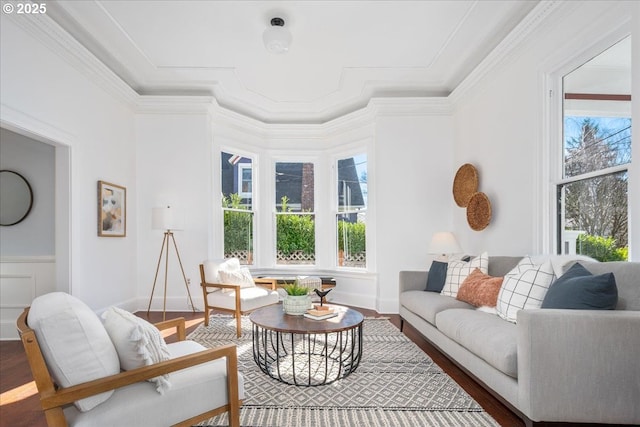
(237, 206)
(592, 194)
(295, 214)
(352, 211)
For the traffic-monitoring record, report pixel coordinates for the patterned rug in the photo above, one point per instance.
(396, 384)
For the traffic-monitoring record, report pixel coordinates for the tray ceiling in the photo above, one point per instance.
(342, 54)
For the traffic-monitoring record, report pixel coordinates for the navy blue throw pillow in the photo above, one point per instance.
(580, 290)
(437, 276)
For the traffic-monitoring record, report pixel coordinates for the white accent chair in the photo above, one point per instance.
(238, 297)
(77, 372)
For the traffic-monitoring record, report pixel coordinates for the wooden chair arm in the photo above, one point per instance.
(68, 395)
(267, 283)
(177, 323)
(220, 286)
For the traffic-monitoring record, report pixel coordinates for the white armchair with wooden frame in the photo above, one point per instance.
(77, 371)
(228, 287)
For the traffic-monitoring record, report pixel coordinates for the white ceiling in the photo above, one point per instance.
(342, 54)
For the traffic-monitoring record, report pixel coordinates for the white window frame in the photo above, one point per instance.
(550, 157)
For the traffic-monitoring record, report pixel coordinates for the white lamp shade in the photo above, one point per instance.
(277, 39)
(444, 242)
(166, 218)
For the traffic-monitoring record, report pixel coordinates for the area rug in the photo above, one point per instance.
(396, 384)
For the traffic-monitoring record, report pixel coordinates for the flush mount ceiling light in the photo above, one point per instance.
(277, 38)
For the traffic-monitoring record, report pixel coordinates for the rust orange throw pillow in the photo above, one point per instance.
(480, 289)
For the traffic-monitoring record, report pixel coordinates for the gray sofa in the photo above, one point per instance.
(578, 366)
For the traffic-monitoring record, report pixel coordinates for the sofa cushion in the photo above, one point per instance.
(480, 289)
(75, 345)
(627, 274)
(457, 271)
(428, 304)
(436, 277)
(578, 289)
(485, 335)
(524, 287)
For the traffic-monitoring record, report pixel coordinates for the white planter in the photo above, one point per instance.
(296, 305)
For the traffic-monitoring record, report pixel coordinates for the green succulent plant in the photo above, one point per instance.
(294, 289)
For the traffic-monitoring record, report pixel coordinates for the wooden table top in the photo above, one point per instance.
(274, 318)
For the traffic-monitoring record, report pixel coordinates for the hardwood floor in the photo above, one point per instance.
(19, 405)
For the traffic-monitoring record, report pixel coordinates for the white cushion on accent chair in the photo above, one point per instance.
(193, 391)
(239, 293)
(66, 344)
(75, 345)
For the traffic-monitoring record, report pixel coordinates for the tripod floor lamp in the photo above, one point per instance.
(166, 219)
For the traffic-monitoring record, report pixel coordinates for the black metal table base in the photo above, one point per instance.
(307, 359)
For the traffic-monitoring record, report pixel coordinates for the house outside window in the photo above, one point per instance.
(245, 179)
(295, 213)
(351, 212)
(237, 206)
(592, 195)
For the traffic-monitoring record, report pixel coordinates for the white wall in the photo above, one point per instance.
(414, 176)
(45, 93)
(500, 127)
(174, 168)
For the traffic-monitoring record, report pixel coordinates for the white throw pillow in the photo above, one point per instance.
(212, 268)
(137, 342)
(458, 270)
(524, 287)
(240, 277)
(75, 345)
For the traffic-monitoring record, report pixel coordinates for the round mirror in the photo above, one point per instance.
(17, 197)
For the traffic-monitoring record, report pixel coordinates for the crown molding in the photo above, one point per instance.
(507, 48)
(182, 104)
(26, 124)
(423, 106)
(51, 35)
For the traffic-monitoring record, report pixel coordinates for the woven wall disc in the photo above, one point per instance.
(465, 184)
(479, 212)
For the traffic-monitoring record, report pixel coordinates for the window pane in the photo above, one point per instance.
(294, 187)
(352, 183)
(595, 143)
(237, 178)
(351, 217)
(296, 243)
(295, 222)
(352, 248)
(237, 198)
(245, 185)
(594, 217)
(238, 235)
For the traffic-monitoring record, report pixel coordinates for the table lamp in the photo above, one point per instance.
(443, 244)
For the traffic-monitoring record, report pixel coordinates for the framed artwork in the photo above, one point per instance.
(112, 210)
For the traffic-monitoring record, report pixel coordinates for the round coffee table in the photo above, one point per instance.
(305, 352)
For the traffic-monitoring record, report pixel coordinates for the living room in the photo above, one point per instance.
(165, 150)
